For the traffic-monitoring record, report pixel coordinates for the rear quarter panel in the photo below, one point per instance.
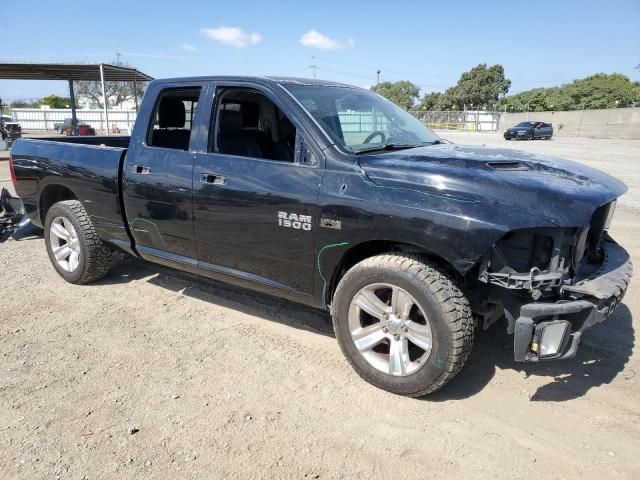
(90, 172)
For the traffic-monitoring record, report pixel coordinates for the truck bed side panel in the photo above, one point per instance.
(89, 172)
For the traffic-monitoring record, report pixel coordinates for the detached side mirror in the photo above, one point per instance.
(303, 154)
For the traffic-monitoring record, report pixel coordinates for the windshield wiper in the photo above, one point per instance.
(438, 141)
(387, 147)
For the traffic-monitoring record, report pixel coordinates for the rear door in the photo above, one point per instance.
(158, 174)
(256, 190)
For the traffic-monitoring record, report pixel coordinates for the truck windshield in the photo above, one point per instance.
(359, 120)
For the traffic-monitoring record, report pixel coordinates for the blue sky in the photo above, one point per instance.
(540, 43)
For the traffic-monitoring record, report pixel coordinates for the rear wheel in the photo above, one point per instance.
(402, 323)
(75, 250)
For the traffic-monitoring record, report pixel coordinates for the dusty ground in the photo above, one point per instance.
(154, 374)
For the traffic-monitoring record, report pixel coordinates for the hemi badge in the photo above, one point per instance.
(329, 223)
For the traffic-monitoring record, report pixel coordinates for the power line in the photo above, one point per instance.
(371, 67)
(414, 75)
(313, 66)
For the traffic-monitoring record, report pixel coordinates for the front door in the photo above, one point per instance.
(255, 194)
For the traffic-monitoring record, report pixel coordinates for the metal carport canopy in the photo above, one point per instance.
(101, 72)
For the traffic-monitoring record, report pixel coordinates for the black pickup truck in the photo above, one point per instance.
(331, 196)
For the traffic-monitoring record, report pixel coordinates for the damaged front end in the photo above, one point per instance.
(554, 283)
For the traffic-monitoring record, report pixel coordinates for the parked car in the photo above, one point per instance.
(529, 131)
(410, 242)
(10, 130)
(82, 128)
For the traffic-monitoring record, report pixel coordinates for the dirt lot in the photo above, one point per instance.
(154, 374)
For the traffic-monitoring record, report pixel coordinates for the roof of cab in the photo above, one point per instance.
(258, 79)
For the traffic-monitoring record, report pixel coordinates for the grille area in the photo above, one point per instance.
(507, 165)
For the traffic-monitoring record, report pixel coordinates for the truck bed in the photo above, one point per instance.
(86, 168)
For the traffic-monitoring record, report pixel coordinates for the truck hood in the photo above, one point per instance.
(559, 191)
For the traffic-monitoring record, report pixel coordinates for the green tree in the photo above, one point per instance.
(431, 101)
(116, 92)
(403, 93)
(21, 103)
(595, 91)
(481, 86)
(54, 101)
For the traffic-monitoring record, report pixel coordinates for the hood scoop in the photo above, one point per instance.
(507, 165)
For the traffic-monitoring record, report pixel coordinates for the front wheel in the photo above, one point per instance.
(74, 248)
(402, 323)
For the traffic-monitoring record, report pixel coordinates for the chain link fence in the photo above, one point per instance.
(469, 121)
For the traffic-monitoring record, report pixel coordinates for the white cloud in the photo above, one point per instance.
(315, 39)
(187, 47)
(234, 36)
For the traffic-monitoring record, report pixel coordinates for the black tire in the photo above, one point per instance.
(530, 136)
(445, 306)
(94, 255)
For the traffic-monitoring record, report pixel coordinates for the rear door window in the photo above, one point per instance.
(173, 118)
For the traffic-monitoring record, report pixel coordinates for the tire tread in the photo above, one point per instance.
(456, 311)
(98, 256)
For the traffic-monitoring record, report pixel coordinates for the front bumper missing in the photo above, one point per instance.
(589, 301)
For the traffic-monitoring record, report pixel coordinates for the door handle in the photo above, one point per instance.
(141, 169)
(213, 179)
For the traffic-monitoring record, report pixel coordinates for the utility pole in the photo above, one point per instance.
(313, 66)
(118, 58)
(378, 73)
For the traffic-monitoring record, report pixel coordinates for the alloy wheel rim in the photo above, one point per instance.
(390, 329)
(65, 245)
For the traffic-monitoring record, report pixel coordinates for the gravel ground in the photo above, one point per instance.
(151, 373)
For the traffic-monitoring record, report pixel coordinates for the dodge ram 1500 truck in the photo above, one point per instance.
(332, 196)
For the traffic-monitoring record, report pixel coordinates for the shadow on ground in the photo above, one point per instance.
(221, 294)
(603, 353)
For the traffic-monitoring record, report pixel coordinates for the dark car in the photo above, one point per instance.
(410, 242)
(529, 131)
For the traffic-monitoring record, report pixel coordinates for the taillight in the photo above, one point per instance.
(12, 171)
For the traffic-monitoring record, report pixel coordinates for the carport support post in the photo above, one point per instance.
(135, 88)
(74, 118)
(104, 99)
